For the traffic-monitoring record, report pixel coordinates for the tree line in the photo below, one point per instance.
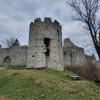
(10, 42)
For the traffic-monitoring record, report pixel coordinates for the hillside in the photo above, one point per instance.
(45, 85)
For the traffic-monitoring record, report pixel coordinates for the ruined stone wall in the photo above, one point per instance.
(18, 56)
(73, 58)
(73, 55)
(41, 31)
(14, 56)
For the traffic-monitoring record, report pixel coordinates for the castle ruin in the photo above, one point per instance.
(45, 45)
(45, 49)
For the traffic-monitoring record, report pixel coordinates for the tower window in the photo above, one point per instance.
(33, 55)
(58, 31)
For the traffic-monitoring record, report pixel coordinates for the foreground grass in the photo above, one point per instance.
(44, 85)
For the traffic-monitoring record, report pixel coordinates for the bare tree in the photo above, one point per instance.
(16, 43)
(87, 13)
(11, 42)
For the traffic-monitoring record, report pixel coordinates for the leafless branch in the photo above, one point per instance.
(87, 10)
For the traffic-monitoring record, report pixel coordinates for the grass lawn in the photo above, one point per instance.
(44, 85)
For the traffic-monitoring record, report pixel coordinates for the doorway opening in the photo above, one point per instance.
(47, 44)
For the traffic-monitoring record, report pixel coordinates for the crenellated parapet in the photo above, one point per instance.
(37, 20)
(47, 21)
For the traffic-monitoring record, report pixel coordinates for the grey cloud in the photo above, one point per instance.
(15, 16)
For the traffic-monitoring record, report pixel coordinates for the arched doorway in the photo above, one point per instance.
(7, 61)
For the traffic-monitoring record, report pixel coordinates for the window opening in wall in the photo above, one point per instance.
(33, 55)
(7, 61)
(64, 53)
(71, 59)
(47, 43)
(71, 55)
(58, 32)
(46, 25)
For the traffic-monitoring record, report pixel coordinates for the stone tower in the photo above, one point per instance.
(45, 45)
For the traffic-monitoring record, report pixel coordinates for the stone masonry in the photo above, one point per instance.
(45, 49)
(45, 45)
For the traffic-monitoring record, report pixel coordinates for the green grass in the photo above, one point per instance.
(44, 85)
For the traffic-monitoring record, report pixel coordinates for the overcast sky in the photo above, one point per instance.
(16, 15)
